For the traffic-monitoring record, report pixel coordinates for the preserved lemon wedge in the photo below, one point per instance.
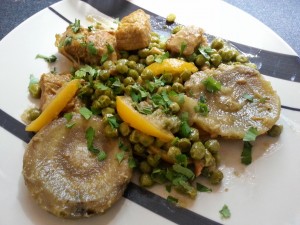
(140, 122)
(55, 106)
(173, 66)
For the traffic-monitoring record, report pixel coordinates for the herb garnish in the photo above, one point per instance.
(112, 121)
(246, 156)
(162, 57)
(251, 134)
(120, 156)
(225, 212)
(90, 135)
(172, 199)
(201, 106)
(205, 51)
(68, 117)
(248, 97)
(185, 129)
(211, 84)
(85, 112)
(203, 188)
(182, 47)
(75, 26)
(49, 59)
(110, 50)
(91, 48)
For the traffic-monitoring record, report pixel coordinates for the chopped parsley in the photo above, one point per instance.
(211, 84)
(91, 48)
(251, 134)
(225, 212)
(202, 107)
(160, 58)
(112, 121)
(248, 97)
(110, 50)
(131, 162)
(203, 188)
(172, 199)
(246, 156)
(182, 47)
(205, 51)
(49, 59)
(75, 26)
(181, 159)
(90, 135)
(184, 129)
(85, 112)
(120, 156)
(67, 41)
(184, 171)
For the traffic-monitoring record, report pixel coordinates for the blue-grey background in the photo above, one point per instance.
(282, 16)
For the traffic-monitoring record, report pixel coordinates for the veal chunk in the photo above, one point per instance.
(86, 46)
(190, 36)
(50, 84)
(134, 31)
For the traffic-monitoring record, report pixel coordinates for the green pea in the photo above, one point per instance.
(143, 53)
(139, 149)
(209, 160)
(104, 101)
(226, 54)
(128, 80)
(158, 143)
(275, 131)
(108, 110)
(145, 167)
(216, 177)
(194, 136)
(217, 43)
(171, 18)
(212, 145)
(174, 107)
(122, 68)
(33, 113)
(200, 60)
(150, 59)
(111, 132)
(242, 58)
(167, 78)
(134, 58)
(145, 139)
(104, 75)
(153, 160)
(34, 90)
(134, 136)
(108, 64)
(124, 54)
(133, 73)
(177, 87)
(155, 39)
(173, 152)
(198, 150)
(124, 129)
(142, 61)
(146, 180)
(176, 29)
(184, 144)
(147, 75)
(139, 67)
(86, 90)
(216, 59)
(185, 75)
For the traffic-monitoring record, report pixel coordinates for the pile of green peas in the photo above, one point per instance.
(118, 78)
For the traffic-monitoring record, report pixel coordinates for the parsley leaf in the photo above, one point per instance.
(104, 57)
(75, 26)
(251, 134)
(225, 212)
(68, 116)
(112, 121)
(110, 49)
(248, 97)
(162, 57)
(49, 59)
(182, 159)
(211, 84)
(184, 129)
(70, 125)
(182, 47)
(246, 156)
(120, 156)
(89, 135)
(67, 41)
(131, 162)
(202, 107)
(101, 155)
(205, 51)
(183, 170)
(85, 112)
(91, 48)
(172, 199)
(202, 188)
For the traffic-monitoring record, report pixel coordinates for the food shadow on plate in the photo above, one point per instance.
(38, 216)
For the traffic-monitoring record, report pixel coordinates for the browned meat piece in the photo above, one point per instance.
(231, 112)
(68, 180)
(190, 36)
(87, 46)
(50, 84)
(134, 31)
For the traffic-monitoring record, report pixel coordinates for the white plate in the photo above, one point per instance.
(265, 192)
